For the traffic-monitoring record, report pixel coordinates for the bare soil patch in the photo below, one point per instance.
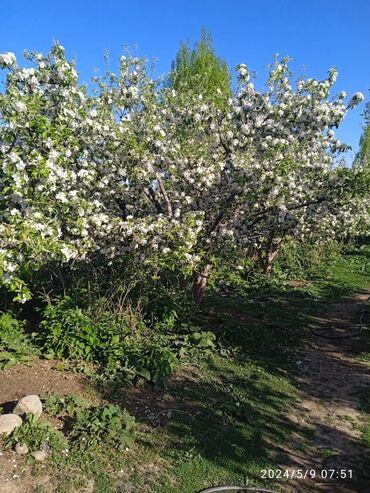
(329, 383)
(38, 377)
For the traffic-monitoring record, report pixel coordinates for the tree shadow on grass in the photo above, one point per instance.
(234, 424)
(230, 422)
(226, 432)
(229, 433)
(269, 329)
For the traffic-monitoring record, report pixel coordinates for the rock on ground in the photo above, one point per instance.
(29, 404)
(9, 422)
(39, 455)
(21, 449)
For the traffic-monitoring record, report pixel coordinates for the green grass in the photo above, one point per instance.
(328, 452)
(234, 426)
(366, 435)
(364, 396)
(227, 421)
(230, 428)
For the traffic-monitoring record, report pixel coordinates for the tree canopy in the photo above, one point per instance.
(163, 175)
(201, 71)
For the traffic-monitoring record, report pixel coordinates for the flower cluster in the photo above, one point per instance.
(136, 167)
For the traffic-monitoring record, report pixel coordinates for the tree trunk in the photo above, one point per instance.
(271, 254)
(199, 284)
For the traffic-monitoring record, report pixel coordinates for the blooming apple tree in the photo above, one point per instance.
(135, 168)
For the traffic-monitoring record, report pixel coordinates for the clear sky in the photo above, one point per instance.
(317, 34)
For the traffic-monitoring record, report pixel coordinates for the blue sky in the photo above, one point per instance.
(316, 34)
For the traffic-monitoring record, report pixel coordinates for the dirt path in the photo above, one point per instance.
(329, 386)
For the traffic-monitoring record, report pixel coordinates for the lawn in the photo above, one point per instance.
(223, 416)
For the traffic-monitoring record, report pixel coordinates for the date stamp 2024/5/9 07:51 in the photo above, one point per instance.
(306, 474)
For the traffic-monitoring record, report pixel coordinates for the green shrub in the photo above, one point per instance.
(150, 360)
(68, 405)
(66, 332)
(155, 359)
(303, 260)
(38, 434)
(117, 334)
(15, 346)
(193, 344)
(118, 343)
(108, 423)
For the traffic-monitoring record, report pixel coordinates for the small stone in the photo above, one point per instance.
(39, 455)
(21, 449)
(27, 405)
(9, 422)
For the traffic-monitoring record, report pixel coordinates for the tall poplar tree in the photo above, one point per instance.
(201, 71)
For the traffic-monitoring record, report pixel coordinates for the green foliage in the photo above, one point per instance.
(15, 346)
(193, 344)
(156, 359)
(150, 360)
(108, 423)
(68, 405)
(38, 434)
(66, 332)
(364, 153)
(327, 452)
(200, 71)
(366, 435)
(303, 260)
(120, 344)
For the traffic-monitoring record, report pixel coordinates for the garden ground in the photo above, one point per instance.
(273, 396)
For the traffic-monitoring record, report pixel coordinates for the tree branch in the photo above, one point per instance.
(164, 194)
(151, 195)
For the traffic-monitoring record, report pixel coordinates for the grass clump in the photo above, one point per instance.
(38, 434)
(15, 345)
(110, 423)
(366, 435)
(58, 405)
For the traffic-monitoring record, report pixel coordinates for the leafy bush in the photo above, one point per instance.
(117, 343)
(69, 405)
(150, 360)
(193, 344)
(303, 260)
(66, 332)
(109, 423)
(38, 434)
(15, 346)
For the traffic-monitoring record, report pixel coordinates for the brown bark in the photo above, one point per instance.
(199, 284)
(271, 254)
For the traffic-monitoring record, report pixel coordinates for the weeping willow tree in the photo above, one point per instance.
(200, 71)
